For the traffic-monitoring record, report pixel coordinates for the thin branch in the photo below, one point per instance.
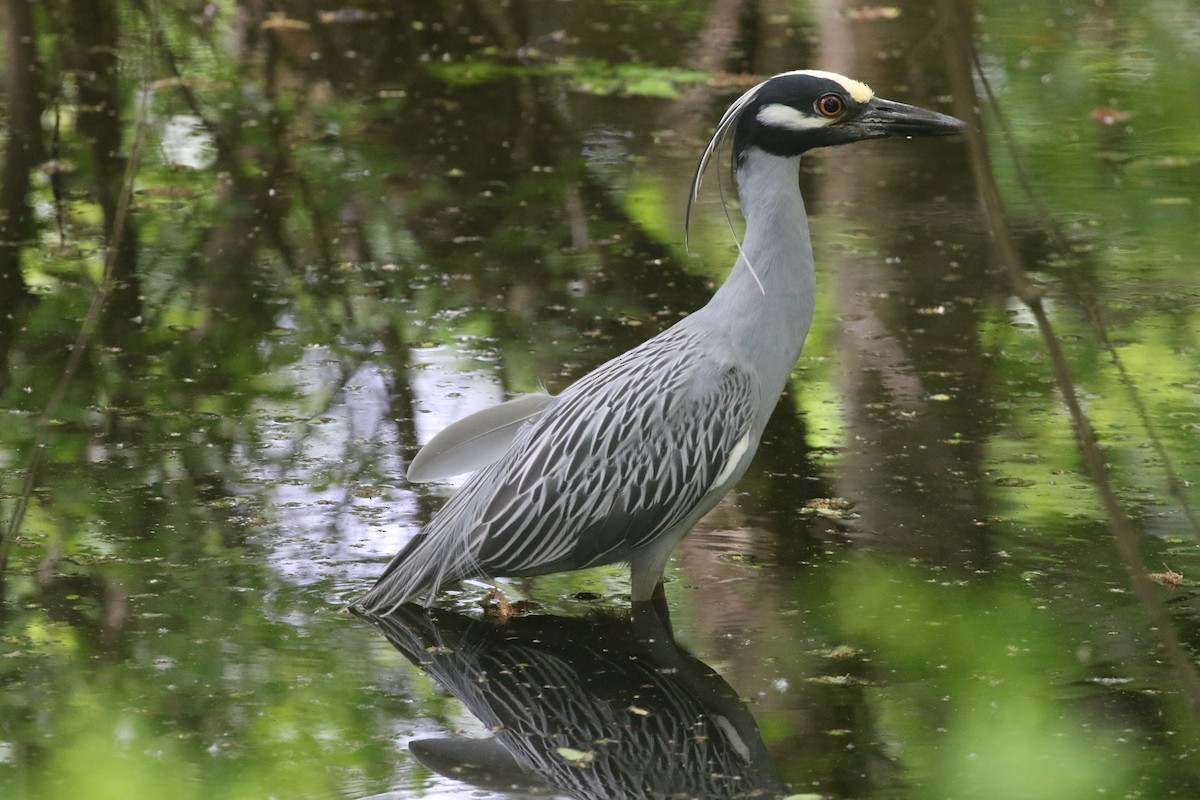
(1095, 317)
(961, 56)
(87, 329)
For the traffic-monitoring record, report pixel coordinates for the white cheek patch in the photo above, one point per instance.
(778, 115)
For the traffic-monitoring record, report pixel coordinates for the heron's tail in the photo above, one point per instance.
(430, 560)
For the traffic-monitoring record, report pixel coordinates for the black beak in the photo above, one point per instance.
(881, 118)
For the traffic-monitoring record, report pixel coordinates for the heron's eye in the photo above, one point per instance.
(830, 105)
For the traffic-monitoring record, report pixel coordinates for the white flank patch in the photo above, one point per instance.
(778, 115)
(735, 456)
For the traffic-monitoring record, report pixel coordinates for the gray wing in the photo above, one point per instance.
(475, 441)
(626, 453)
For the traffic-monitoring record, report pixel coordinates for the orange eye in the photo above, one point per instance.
(830, 105)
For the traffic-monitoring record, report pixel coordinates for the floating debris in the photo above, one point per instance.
(578, 758)
(1168, 577)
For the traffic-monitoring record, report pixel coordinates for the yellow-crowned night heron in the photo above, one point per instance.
(622, 464)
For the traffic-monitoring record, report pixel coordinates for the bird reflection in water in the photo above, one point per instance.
(601, 707)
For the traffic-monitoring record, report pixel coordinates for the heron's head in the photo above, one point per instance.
(797, 111)
(801, 110)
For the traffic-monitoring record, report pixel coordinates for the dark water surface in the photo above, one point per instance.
(352, 224)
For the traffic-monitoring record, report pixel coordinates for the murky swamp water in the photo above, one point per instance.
(352, 225)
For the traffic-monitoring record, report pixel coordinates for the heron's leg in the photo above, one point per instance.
(652, 619)
(646, 569)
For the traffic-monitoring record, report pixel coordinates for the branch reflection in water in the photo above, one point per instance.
(598, 707)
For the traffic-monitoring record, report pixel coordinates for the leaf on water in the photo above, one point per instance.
(473, 73)
(632, 80)
(831, 507)
(280, 22)
(577, 758)
(866, 15)
(1168, 577)
(1015, 483)
(838, 680)
(843, 651)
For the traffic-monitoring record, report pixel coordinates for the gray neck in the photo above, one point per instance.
(767, 326)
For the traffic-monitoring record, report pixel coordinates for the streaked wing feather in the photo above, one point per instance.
(624, 455)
